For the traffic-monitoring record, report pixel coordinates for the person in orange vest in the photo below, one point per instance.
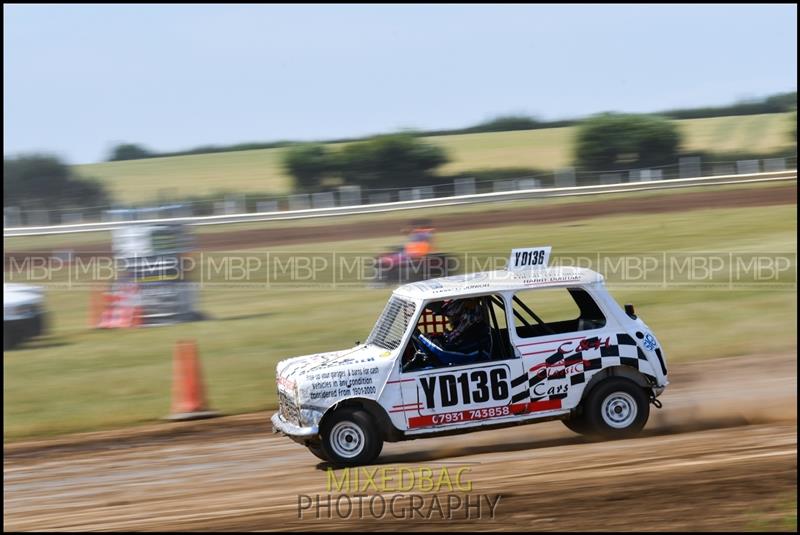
(420, 241)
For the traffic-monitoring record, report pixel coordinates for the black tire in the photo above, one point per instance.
(578, 424)
(10, 338)
(616, 408)
(316, 449)
(350, 438)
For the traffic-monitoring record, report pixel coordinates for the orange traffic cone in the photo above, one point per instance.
(188, 397)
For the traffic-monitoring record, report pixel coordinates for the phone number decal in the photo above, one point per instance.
(477, 414)
(482, 414)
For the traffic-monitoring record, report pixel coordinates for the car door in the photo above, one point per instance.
(552, 330)
(454, 396)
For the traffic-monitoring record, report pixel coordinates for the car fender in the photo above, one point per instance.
(627, 372)
(382, 420)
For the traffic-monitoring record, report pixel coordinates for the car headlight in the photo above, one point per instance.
(310, 417)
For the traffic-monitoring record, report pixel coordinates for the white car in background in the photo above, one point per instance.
(560, 347)
(23, 313)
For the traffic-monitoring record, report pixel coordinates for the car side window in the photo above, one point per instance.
(550, 311)
(456, 332)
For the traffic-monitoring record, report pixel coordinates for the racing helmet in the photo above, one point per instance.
(463, 313)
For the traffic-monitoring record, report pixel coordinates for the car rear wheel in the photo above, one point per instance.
(616, 408)
(350, 438)
(577, 424)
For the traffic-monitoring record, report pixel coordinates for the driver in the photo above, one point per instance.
(468, 340)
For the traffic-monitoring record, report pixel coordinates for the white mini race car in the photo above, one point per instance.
(23, 313)
(538, 344)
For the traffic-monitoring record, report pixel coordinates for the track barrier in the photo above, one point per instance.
(116, 309)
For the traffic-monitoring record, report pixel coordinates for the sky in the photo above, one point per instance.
(78, 79)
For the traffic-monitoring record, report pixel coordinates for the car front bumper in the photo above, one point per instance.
(279, 425)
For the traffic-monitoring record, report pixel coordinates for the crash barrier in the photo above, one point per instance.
(188, 393)
(132, 305)
(308, 213)
(152, 258)
(119, 309)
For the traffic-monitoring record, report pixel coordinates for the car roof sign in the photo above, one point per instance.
(529, 257)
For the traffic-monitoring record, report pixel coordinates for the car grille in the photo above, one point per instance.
(288, 409)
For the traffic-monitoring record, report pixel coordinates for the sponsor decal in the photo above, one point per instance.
(545, 389)
(466, 277)
(332, 384)
(286, 384)
(487, 413)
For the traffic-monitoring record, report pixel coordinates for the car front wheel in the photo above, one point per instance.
(316, 449)
(350, 438)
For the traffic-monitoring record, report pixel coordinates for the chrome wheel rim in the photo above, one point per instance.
(619, 410)
(347, 440)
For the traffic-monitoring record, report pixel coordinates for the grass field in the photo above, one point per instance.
(261, 170)
(78, 380)
(782, 516)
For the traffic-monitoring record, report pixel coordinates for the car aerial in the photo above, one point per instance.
(23, 313)
(556, 346)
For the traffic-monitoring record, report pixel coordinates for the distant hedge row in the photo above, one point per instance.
(777, 103)
(42, 181)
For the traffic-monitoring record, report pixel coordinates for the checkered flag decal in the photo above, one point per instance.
(615, 350)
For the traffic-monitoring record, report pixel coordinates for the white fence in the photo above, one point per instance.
(419, 202)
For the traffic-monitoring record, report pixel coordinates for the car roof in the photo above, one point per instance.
(498, 281)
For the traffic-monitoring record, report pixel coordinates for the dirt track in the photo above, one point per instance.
(722, 452)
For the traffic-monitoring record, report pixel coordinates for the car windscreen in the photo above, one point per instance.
(392, 323)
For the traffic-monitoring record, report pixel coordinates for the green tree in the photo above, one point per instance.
(506, 123)
(41, 181)
(390, 161)
(129, 151)
(309, 164)
(625, 141)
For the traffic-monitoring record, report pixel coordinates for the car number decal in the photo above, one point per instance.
(487, 385)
